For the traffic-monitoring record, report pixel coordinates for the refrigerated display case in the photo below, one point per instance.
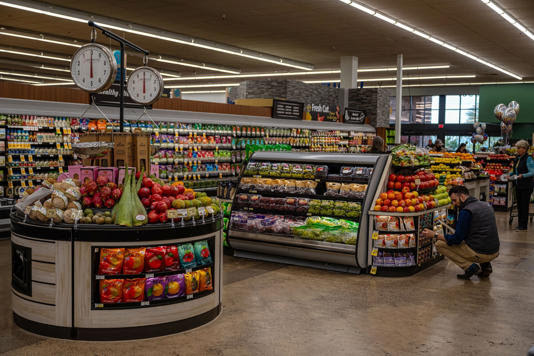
(306, 208)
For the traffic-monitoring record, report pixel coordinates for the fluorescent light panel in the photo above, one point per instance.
(42, 38)
(447, 84)
(195, 65)
(33, 54)
(53, 84)
(202, 85)
(78, 16)
(433, 39)
(30, 75)
(509, 18)
(18, 80)
(204, 92)
(388, 79)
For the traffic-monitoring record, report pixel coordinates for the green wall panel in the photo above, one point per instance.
(491, 95)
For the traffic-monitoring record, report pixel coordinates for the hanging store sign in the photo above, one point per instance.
(353, 116)
(323, 112)
(283, 109)
(110, 97)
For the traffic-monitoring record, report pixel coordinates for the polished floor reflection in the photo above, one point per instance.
(272, 309)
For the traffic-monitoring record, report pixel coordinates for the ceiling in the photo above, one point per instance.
(317, 32)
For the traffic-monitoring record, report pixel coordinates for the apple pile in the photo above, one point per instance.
(419, 181)
(100, 194)
(159, 198)
(405, 201)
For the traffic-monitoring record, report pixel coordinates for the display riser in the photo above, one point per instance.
(297, 262)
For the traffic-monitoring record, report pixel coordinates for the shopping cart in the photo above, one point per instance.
(513, 210)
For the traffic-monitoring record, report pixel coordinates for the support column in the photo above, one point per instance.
(349, 77)
(398, 100)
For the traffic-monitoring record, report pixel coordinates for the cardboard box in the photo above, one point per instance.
(122, 173)
(110, 172)
(123, 150)
(88, 172)
(75, 171)
(142, 151)
(106, 160)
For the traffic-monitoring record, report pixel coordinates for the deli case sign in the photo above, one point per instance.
(110, 97)
(283, 109)
(353, 116)
(322, 112)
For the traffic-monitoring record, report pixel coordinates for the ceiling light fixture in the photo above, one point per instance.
(33, 54)
(429, 37)
(30, 75)
(185, 63)
(509, 18)
(202, 85)
(40, 37)
(57, 69)
(313, 72)
(53, 84)
(389, 79)
(18, 80)
(79, 16)
(204, 92)
(447, 84)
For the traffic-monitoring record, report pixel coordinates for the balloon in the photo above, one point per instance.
(483, 125)
(514, 105)
(476, 125)
(479, 138)
(509, 116)
(479, 130)
(499, 111)
(503, 127)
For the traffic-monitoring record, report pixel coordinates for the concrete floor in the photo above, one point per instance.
(272, 309)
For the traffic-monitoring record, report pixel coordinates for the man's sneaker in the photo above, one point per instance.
(469, 272)
(486, 270)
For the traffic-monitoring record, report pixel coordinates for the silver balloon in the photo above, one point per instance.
(476, 124)
(509, 116)
(479, 138)
(483, 125)
(479, 130)
(503, 127)
(514, 105)
(499, 111)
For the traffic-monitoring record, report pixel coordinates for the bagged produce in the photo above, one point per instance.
(192, 282)
(155, 288)
(206, 281)
(202, 252)
(187, 255)
(111, 290)
(134, 260)
(172, 261)
(133, 290)
(175, 286)
(111, 260)
(155, 259)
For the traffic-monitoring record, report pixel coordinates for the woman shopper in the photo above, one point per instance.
(523, 172)
(462, 148)
(378, 145)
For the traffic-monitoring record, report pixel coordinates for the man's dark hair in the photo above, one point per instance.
(459, 189)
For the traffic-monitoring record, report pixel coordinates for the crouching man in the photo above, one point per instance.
(476, 239)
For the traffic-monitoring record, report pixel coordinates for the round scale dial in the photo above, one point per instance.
(93, 68)
(145, 85)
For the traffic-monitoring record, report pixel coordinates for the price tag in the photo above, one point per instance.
(417, 181)
(375, 235)
(145, 303)
(374, 252)
(188, 270)
(99, 305)
(149, 275)
(190, 296)
(373, 270)
(99, 276)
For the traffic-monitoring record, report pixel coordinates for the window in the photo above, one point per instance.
(467, 141)
(461, 109)
(451, 143)
(416, 109)
(427, 139)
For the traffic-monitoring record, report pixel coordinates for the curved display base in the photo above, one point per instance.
(114, 334)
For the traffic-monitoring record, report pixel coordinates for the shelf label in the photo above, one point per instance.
(99, 305)
(145, 303)
(373, 270)
(374, 252)
(99, 276)
(188, 270)
(190, 296)
(375, 235)
(149, 275)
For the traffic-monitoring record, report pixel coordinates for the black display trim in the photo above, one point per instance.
(112, 233)
(112, 334)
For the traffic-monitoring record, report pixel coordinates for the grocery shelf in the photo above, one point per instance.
(273, 194)
(239, 208)
(295, 241)
(417, 213)
(396, 248)
(151, 274)
(397, 232)
(102, 306)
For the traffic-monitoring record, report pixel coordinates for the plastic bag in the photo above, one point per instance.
(111, 260)
(175, 286)
(155, 288)
(133, 290)
(155, 259)
(111, 291)
(192, 282)
(187, 255)
(206, 281)
(134, 260)
(202, 252)
(172, 261)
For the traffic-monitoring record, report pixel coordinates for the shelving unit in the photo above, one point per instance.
(500, 192)
(305, 189)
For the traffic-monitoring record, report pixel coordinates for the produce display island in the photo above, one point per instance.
(68, 279)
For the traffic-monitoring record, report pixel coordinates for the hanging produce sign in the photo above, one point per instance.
(110, 97)
(323, 112)
(353, 116)
(283, 109)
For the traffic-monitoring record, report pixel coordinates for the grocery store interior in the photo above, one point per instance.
(267, 177)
